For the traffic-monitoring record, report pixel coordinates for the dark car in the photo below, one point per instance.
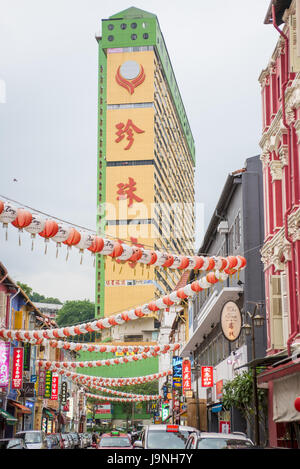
(68, 444)
(13, 443)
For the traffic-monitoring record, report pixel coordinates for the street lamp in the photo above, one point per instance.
(256, 321)
(195, 369)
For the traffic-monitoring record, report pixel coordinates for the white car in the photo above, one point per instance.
(164, 437)
(34, 439)
(210, 440)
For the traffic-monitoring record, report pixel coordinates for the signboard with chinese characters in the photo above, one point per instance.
(104, 408)
(186, 375)
(4, 363)
(54, 389)
(27, 351)
(48, 384)
(219, 389)
(207, 380)
(177, 372)
(64, 392)
(224, 426)
(231, 321)
(42, 382)
(17, 370)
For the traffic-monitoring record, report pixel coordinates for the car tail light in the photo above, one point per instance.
(172, 428)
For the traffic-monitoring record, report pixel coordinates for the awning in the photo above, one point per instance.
(270, 360)
(21, 408)
(285, 391)
(216, 408)
(49, 413)
(10, 419)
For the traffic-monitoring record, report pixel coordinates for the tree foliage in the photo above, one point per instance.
(36, 297)
(238, 393)
(75, 311)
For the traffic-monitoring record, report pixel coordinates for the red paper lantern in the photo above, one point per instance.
(199, 262)
(152, 306)
(211, 278)
(167, 301)
(117, 251)
(51, 228)
(97, 245)
(73, 239)
(196, 287)
(153, 258)
(297, 404)
(1, 206)
(181, 294)
(137, 254)
(24, 218)
(184, 263)
(169, 261)
(232, 262)
(211, 264)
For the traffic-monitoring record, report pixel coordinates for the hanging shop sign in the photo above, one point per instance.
(42, 383)
(27, 390)
(27, 351)
(64, 392)
(219, 389)
(4, 363)
(207, 380)
(186, 375)
(54, 388)
(102, 409)
(231, 321)
(224, 426)
(17, 370)
(177, 372)
(48, 384)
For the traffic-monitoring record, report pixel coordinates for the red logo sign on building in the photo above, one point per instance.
(126, 191)
(17, 371)
(207, 379)
(54, 391)
(130, 75)
(127, 129)
(186, 376)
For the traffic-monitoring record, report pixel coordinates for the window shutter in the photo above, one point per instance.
(285, 307)
(3, 304)
(276, 312)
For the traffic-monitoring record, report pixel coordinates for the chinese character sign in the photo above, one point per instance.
(186, 376)
(126, 191)
(48, 384)
(54, 389)
(17, 371)
(127, 129)
(177, 372)
(4, 364)
(42, 382)
(207, 380)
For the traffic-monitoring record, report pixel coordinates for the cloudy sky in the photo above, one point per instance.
(48, 112)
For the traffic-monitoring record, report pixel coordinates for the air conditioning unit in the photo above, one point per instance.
(223, 227)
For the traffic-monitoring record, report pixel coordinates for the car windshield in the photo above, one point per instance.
(33, 437)
(222, 443)
(119, 441)
(14, 443)
(161, 439)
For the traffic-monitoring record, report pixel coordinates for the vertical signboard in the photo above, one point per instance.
(224, 426)
(54, 387)
(48, 384)
(4, 363)
(27, 351)
(219, 389)
(207, 379)
(64, 392)
(17, 370)
(42, 382)
(186, 376)
(177, 372)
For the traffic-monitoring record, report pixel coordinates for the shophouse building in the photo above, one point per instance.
(236, 228)
(280, 87)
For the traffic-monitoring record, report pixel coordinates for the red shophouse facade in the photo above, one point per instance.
(280, 143)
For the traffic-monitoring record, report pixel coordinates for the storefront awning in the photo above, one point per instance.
(49, 413)
(10, 419)
(21, 408)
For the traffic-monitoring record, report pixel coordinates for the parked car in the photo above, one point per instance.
(89, 439)
(164, 437)
(115, 440)
(66, 441)
(209, 440)
(34, 439)
(71, 441)
(12, 443)
(54, 441)
(76, 439)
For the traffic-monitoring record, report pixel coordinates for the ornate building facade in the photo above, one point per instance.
(280, 143)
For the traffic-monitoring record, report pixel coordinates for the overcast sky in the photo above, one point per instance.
(48, 122)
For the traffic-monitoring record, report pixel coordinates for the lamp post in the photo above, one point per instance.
(256, 321)
(195, 369)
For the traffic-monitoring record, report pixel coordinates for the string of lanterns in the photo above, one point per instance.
(123, 399)
(61, 233)
(87, 379)
(118, 393)
(161, 303)
(52, 365)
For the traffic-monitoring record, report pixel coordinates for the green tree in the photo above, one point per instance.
(26, 289)
(238, 393)
(75, 311)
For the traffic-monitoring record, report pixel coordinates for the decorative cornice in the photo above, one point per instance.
(283, 155)
(294, 225)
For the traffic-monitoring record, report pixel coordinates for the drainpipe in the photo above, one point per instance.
(292, 283)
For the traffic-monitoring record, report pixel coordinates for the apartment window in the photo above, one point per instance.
(110, 27)
(123, 26)
(237, 231)
(133, 37)
(133, 25)
(276, 312)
